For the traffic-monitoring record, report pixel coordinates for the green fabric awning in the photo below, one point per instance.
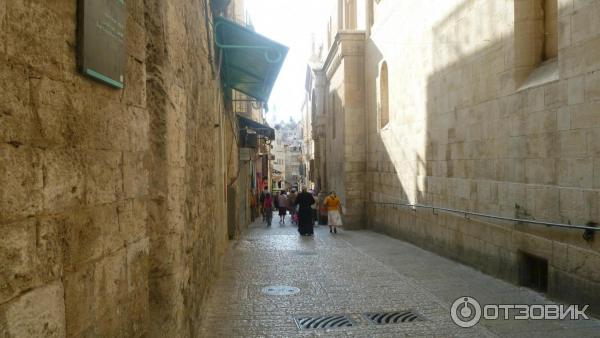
(250, 62)
(259, 128)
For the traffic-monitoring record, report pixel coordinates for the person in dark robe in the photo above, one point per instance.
(305, 224)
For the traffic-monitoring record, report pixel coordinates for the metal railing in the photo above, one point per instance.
(478, 214)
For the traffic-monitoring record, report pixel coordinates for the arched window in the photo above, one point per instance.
(384, 97)
(550, 10)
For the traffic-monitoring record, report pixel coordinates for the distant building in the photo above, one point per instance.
(278, 161)
(293, 162)
(287, 151)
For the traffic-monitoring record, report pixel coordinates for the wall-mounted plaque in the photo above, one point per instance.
(101, 40)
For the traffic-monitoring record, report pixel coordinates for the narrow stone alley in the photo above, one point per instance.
(455, 140)
(354, 273)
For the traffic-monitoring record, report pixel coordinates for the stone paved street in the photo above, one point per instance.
(351, 273)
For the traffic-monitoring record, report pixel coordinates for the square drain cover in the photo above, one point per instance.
(323, 322)
(394, 317)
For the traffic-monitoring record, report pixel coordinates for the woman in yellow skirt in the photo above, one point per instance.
(334, 207)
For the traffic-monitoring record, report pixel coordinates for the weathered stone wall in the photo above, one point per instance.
(112, 202)
(234, 167)
(354, 131)
(319, 126)
(345, 131)
(186, 221)
(465, 134)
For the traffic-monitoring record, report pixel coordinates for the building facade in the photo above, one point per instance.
(278, 161)
(294, 177)
(253, 158)
(338, 110)
(309, 116)
(479, 106)
(287, 151)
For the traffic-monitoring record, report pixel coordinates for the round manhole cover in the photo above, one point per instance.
(280, 290)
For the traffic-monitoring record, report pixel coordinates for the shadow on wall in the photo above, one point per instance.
(465, 139)
(477, 143)
(335, 173)
(383, 184)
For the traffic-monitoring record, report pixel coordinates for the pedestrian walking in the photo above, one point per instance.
(291, 199)
(262, 196)
(304, 200)
(315, 207)
(282, 205)
(253, 205)
(334, 207)
(267, 208)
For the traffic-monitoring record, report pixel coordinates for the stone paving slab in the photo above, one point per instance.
(351, 273)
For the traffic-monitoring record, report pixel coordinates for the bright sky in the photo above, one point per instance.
(290, 22)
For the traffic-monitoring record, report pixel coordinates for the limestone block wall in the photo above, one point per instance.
(346, 135)
(319, 126)
(187, 223)
(466, 134)
(354, 132)
(334, 145)
(233, 169)
(111, 201)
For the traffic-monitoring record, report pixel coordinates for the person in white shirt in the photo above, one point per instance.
(282, 205)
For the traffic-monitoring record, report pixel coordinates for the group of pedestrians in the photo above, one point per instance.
(303, 209)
